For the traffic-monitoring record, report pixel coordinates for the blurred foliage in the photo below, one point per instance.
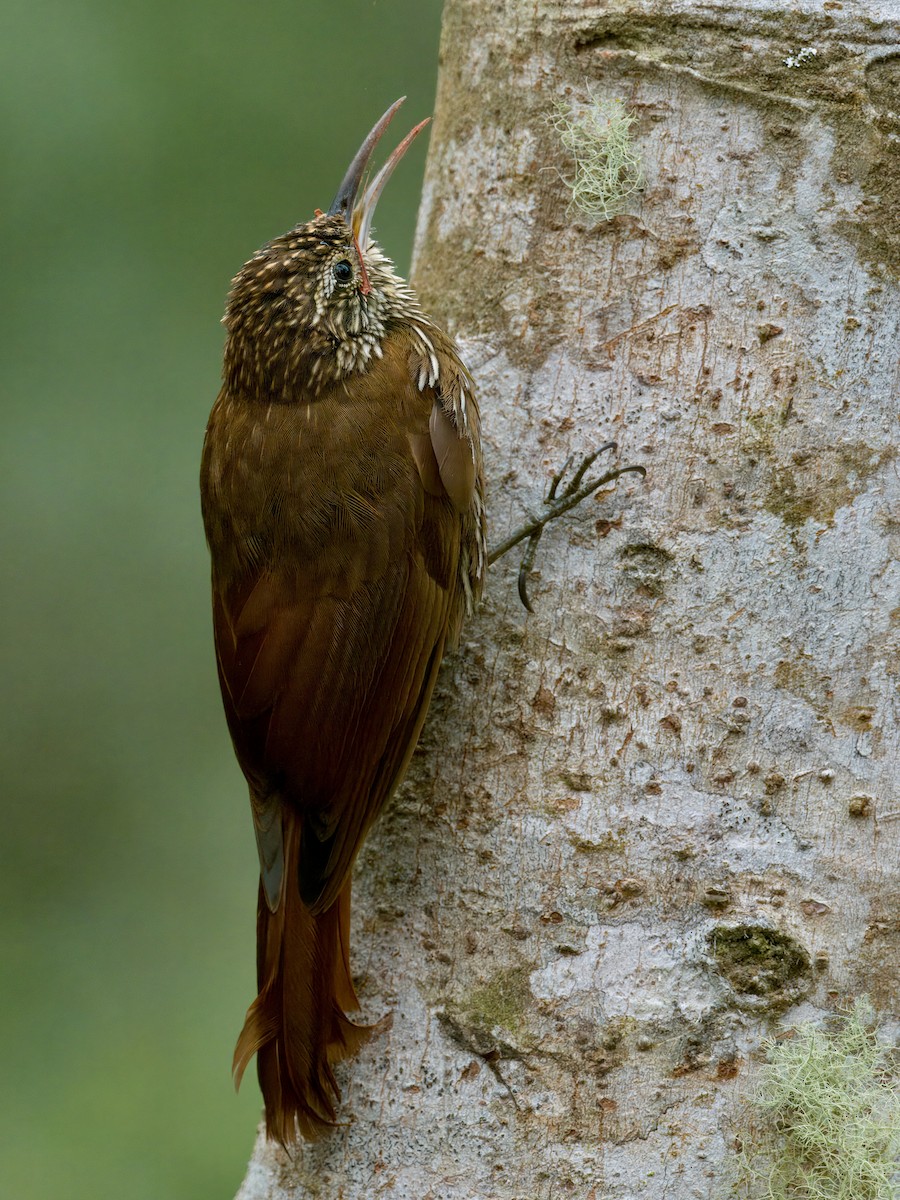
(147, 150)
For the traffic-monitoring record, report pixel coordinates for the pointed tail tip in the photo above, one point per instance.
(261, 1026)
(304, 1106)
(309, 1113)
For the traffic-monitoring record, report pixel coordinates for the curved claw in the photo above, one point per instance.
(573, 494)
(525, 567)
(557, 478)
(586, 463)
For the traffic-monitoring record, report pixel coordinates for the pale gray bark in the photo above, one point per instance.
(688, 755)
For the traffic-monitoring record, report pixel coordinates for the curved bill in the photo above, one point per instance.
(356, 211)
(364, 210)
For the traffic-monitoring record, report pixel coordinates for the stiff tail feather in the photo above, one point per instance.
(296, 1025)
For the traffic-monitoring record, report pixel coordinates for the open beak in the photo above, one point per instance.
(358, 210)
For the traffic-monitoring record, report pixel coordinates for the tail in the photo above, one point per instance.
(296, 1025)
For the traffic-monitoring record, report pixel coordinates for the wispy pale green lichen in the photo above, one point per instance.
(607, 165)
(833, 1129)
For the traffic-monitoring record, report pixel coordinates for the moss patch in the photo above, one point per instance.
(867, 153)
(578, 781)
(762, 432)
(766, 968)
(826, 481)
(501, 1001)
(799, 676)
(607, 843)
(646, 566)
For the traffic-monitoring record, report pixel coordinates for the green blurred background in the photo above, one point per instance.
(147, 150)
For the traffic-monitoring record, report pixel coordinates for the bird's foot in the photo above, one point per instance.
(556, 504)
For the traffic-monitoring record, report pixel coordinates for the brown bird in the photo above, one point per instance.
(342, 498)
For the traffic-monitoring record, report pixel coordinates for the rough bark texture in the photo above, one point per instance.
(656, 820)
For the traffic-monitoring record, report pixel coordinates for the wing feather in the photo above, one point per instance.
(328, 657)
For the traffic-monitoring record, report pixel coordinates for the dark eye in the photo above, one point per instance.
(342, 271)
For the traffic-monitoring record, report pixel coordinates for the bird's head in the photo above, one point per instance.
(313, 305)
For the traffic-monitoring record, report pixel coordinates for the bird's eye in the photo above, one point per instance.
(342, 271)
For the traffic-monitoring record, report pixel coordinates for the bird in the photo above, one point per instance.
(342, 495)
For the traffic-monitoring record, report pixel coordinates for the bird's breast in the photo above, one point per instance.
(328, 483)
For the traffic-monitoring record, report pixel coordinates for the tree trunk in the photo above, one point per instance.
(656, 820)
